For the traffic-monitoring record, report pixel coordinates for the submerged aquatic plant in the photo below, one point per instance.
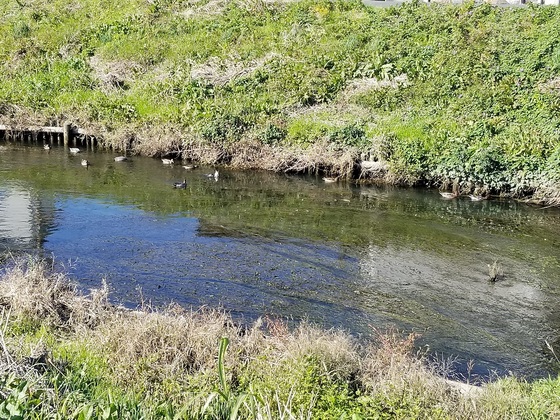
(495, 271)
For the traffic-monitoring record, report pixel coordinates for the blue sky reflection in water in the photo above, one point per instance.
(258, 243)
(169, 260)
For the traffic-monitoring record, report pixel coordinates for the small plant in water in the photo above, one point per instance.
(549, 346)
(495, 271)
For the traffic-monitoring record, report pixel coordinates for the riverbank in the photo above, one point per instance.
(432, 93)
(78, 356)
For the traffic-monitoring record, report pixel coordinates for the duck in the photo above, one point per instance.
(85, 162)
(448, 195)
(74, 150)
(47, 147)
(477, 197)
(180, 185)
(479, 194)
(120, 158)
(215, 175)
(189, 167)
(330, 180)
(168, 161)
(453, 194)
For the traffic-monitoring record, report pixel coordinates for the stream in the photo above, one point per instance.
(360, 258)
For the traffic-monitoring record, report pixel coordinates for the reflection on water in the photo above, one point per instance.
(16, 217)
(261, 243)
(23, 218)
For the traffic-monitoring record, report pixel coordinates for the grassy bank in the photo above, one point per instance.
(435, 93)
(65, 355)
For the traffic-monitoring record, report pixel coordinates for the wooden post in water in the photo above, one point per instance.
(67, 133)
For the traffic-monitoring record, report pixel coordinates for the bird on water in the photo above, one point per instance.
(168, 161)
(74, 150)
(453, 194)
(180, 185)
(479, 194)
(477, 197)
(330, 180)
(85, 162)
(215, 175)
(448, 195)
(120, 158)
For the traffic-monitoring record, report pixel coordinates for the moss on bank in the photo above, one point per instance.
(439, 92)
(65, 355)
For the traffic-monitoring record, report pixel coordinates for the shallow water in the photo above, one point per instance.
(259, 243)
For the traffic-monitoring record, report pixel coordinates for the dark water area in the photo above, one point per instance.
(255, 243)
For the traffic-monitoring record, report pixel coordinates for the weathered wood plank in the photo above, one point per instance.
(68, 132)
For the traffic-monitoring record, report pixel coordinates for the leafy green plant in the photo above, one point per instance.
(227, 404)
(20, 399)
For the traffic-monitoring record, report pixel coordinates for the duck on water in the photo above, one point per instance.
(451, 195)
(180, 185)
(215, 175)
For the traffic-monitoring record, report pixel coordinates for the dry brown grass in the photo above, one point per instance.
(30, 291)
(547, 194)
(338, 351)
(551, 85)
(392, 366)
(220, 72)
(204, 8)
(149, 140)
(366, 84)
(150, 347)
(23, 119)
(317, 158)
(113, 75)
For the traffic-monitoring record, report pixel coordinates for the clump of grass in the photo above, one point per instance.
(495, 271)
(216, 71)
(33, 293)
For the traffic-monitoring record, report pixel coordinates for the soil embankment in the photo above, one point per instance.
(434, 94)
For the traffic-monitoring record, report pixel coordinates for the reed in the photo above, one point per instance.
(495, 271)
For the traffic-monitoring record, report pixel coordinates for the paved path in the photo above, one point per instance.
(391, 3)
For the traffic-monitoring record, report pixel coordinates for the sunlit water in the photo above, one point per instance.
(255, 243)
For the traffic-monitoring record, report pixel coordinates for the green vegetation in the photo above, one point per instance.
(65, 355)
(439, 92)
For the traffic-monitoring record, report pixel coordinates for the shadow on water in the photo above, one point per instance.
(260, 243)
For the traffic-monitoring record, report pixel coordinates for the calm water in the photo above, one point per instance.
(257, 243)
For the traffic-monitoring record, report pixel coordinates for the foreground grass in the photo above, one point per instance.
(434, 93)
(65, 355)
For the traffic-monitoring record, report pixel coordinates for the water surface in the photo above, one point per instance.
(257, 243)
